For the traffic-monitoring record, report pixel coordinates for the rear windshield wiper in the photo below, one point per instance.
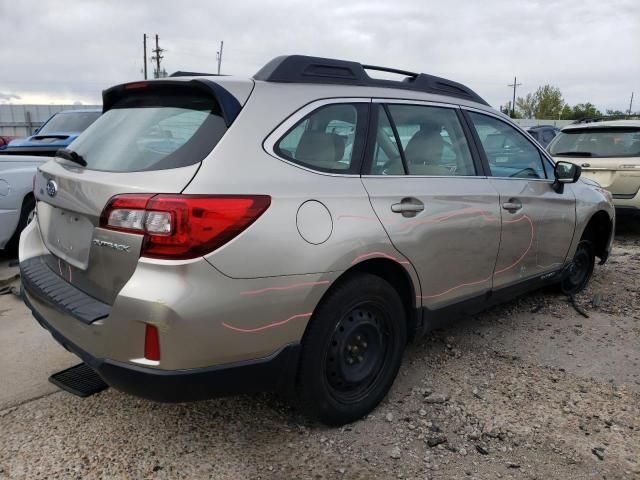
(71, 155)
(573, 154)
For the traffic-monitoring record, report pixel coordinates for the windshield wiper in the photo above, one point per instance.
(573, 154)
(72, 156)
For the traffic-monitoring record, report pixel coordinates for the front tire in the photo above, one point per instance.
(352, 350)
(580, 270)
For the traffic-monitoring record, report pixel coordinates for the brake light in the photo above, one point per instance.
(151, 343)
(132, 86)
(183, 226)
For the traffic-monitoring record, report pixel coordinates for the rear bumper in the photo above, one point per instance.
(273, 373)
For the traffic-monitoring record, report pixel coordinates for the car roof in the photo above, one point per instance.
(603, 124)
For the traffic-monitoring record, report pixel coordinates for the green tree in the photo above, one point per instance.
(545, 102)
(567, 112)
(549, 102)
(526, 106)
(582, 110)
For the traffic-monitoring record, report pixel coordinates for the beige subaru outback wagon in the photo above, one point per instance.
(213, 235)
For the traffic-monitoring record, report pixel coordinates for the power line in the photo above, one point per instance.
(515, 84)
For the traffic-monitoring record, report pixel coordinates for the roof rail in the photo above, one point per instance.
(304, 69)
(180, 73)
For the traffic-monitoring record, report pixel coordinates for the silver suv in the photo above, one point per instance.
(293, 231)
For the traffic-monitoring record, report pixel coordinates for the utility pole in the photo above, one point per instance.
(144, 58)
(157, 57)
(630, 103)
(513, 104)
(219, 56)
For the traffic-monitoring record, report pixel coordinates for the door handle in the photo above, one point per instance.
(512, 206)
(408, 207)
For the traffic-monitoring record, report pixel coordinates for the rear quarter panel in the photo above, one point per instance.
(273, 245)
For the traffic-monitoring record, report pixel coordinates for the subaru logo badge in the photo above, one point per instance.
(52, 188)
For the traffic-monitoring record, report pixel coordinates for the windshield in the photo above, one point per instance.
(73, 122)
(598, 142)
(152, 130)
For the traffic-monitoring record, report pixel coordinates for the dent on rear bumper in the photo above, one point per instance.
(204, 317)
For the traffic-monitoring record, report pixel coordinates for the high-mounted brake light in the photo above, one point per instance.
(183, 226)
(132, 86)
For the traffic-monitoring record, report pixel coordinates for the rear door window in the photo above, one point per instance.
(329, 139)
(432, 142)
(163, 128)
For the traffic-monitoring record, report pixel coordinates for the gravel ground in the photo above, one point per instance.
(531, 389)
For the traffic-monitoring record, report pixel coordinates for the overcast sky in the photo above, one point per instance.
(67, 51)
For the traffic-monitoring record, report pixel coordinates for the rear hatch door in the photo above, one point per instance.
(151, 139)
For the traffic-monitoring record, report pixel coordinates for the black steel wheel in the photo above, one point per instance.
(358, 350)
(352, 350)
(580, 271)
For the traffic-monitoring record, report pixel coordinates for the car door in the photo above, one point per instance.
(538, 222)
(421, 174)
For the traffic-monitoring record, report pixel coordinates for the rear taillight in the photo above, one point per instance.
(183, 226)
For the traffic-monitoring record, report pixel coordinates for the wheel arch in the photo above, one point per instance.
(598, 230)
(397, 276)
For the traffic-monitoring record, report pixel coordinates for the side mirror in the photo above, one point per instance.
(565, 172)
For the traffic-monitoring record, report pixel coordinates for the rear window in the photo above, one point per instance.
(597, 142)
(153, 130)
(72, 122)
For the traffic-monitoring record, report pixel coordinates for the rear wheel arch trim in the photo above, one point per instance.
(397, 276)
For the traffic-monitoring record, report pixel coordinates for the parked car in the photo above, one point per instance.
(57, 132)
(4, 141)
(543, 133)
(305, 224)
(17, 202)
(609, 153)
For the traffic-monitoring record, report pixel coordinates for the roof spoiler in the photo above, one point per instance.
(229, 105)
(304, 69)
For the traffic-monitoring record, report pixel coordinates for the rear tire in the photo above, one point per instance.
(581, 269)
(26, 215)
(352, 350)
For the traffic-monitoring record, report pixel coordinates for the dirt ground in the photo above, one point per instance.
(531, 389)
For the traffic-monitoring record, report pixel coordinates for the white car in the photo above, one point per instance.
(17, 202)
